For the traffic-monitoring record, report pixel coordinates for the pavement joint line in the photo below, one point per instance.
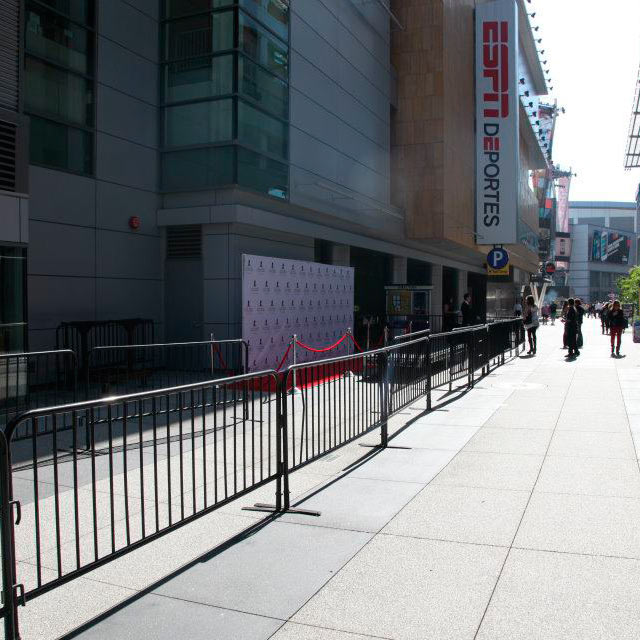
(579, 553)
(587, 495)
(524, 511)
(447, 540)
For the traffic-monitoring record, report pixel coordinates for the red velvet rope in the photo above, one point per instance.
(355, 342)
(284, 357)
(333, 346)
(222, 362)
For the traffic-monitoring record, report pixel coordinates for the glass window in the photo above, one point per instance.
(80, 10)
(270, 91)
(258, 130)
(177, 8)
(199, 123)
(57, 145)
(273, 13)
(55, 38)
(262, 174)
(198, 168)
(12, 272)
(51, 91)
(198, 78)
(260, 45)
(199, 35)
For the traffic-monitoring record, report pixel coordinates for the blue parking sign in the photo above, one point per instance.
(498, 258)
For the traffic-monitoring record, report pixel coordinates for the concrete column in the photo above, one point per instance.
(462, 286)
(399, 270)
(340, 255)
(436, 292)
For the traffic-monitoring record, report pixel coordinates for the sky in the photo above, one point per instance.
(592, 48)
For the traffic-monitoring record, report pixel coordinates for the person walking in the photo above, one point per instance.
(571, 328)
(617, 324)
(580, 311)
(466, 311)
(531, 322)
(603, 318)
(565, 308)
(517, 309)
(553, 310)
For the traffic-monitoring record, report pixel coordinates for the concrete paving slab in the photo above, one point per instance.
(522, 419)
(590, 476)
(155, 560)
(434, 436)
(461, 514)
(167, 619)
(355, 503)
(592, 444)
(272, 573)
(409, 589)
(581, 524)
(603, 422)
(491, 440)
(404, 465)
(569, 597)
(491, 471)
(58, 612)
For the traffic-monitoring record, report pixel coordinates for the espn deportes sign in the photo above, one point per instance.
(497, 121)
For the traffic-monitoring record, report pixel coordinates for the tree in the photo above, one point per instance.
(630, 285)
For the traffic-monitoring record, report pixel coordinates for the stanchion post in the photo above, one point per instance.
(211, 349)
(294, 339)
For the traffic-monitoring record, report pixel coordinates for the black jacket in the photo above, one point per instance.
(571, 321)
(467, 313)
(617, 319)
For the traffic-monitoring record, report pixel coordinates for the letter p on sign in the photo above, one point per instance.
(498, 258)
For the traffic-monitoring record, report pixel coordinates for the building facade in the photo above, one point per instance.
(604, 246)
(158, 141)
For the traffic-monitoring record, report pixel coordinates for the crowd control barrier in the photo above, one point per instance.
(124, 470)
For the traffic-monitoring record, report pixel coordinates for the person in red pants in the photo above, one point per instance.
(617, 324)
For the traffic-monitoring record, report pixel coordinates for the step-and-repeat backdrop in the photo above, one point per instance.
(282, 297)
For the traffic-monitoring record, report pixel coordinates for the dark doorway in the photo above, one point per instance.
(477, 284)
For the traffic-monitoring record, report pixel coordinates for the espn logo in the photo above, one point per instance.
(495, 62)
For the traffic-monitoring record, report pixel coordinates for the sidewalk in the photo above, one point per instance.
(514, 514)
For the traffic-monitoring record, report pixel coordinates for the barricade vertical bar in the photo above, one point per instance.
(384, 399)
(428, 374)
(282, 447)
(11, 630)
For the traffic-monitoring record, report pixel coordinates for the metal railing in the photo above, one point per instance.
(157, 460)
(36, 379)
(117, 370)
(84, 335)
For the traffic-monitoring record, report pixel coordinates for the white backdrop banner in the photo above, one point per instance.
(283, 297)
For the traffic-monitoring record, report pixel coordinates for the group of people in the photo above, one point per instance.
(611, 315)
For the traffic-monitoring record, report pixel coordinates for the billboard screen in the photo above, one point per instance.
(497, 115)
(609, 246)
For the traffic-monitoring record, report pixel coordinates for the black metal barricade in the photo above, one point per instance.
(333, 402)
(35, 379)
(118, 370)
(122, 471)
(84, 335)
(156, 460)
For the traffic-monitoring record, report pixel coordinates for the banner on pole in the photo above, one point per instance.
(497, 122)
(282, 297)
